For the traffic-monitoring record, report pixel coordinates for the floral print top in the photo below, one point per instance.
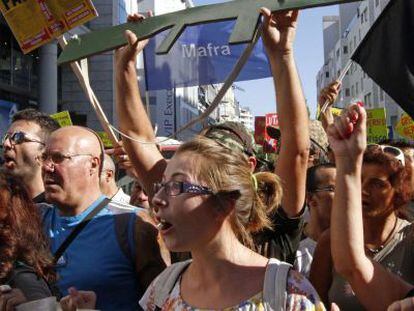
(300, 296)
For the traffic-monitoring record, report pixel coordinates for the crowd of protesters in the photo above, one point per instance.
(215, 227)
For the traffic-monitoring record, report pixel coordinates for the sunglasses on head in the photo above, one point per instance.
(394, 151)
(19, 137)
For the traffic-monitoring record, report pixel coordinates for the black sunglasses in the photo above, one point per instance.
(20, 137)
(174, 188)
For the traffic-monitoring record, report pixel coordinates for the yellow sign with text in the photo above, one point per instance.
(105, 139)
(36, 22)
(63, 118)
(376, 125)
(405, 127)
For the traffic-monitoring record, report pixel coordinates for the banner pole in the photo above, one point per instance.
(340, 78)
(82, 75)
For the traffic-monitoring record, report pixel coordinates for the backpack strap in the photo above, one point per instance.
(275, 283)
(166, 280)
(123, 224)
(79, 227)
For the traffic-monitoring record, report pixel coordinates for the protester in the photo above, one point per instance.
(108, 184)
(365, 228)
(23, 144)
(292, 161)
(211, 184)
(408, 148)
(139, 197)
(318, 142)
(116, 255)
(320, 189)
(26, 263)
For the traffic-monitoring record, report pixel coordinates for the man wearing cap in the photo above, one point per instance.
(318, 142)
(292, 161)
(115, 251)
(23, 144)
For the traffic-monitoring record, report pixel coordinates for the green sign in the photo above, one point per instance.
(105, 139)
(247, 13)
(63, 118)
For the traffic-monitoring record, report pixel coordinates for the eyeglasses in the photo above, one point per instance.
(325, 189)
(394, 151)
(174, 188)
(57, 157)
(18, 138)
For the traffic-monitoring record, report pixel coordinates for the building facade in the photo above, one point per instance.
(342, 34)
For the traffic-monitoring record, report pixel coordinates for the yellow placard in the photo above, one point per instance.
(336, 111)
(105, 139)
(376, 125)
(63, 118)
(36, 22)
(405, 127)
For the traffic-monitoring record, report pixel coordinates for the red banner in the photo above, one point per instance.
(270, 145)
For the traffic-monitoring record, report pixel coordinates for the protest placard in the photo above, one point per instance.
(270, 143)
(36, 22)
(405, 127)
(63, 118)
(376, 125)
(105, 139)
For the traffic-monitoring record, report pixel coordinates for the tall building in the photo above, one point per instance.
(342, 34)
(246, 118)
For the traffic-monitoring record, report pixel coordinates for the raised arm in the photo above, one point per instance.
(375, 287)
(133, 119)
(329, 93)
(278, 36)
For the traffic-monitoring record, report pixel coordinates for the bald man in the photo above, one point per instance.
(108, 184)
(116, 254)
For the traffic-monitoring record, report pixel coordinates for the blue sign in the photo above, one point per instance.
(7, 109)
(201, 56)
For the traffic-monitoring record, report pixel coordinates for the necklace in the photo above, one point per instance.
(375, 251)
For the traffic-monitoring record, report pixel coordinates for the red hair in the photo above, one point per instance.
(396, 171)
(21, 235)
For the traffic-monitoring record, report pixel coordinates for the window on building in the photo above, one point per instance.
(394, 120)
(337, 53)
(357, 88)
(352, 91)
(347, 93)
(368, 100)
(377, 3)
(345, 49)
(381, 95)
(338, 73)
(327, 74)
(362, 84)
(365, 14)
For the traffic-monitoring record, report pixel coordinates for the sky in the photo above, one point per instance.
(259, 94)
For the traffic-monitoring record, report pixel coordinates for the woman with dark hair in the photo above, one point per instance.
(371, 184)
(25, 262)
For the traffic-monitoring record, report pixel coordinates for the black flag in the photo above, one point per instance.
(386, 53)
